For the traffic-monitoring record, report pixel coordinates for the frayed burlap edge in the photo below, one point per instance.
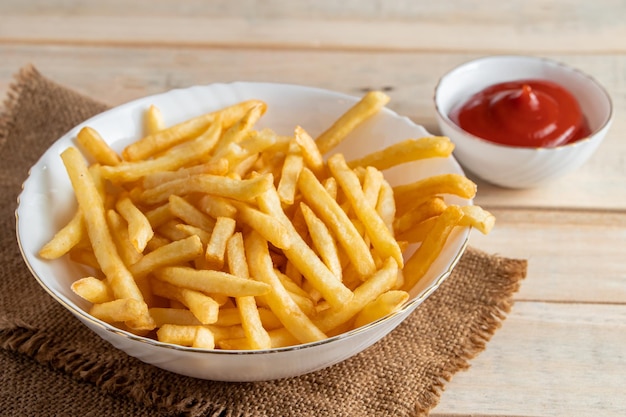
(111, 378)
(86, 366)
(7, 116)
(116, 379)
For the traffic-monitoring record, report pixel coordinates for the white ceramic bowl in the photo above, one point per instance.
(518, 167)
(47, 203)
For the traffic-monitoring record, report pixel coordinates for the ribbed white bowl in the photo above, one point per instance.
(47, 203)
(518, 167)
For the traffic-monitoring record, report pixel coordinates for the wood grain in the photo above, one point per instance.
(518, 26)
(560, 351)
(560, 360)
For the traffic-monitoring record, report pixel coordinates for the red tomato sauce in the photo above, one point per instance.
(527, 113)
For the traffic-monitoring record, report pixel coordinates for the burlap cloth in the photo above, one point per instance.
(52, 365)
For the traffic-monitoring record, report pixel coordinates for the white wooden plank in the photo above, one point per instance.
(513, 11)
(546, 360)
(307, 33)
(572, 256)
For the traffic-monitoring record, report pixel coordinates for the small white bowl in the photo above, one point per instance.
(47, 203)
(511, 166)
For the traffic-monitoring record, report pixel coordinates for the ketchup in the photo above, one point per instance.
(528, 113)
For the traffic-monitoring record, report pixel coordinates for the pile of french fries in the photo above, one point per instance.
(214, 234)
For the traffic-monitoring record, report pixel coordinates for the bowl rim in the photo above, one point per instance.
(84, 315)
(407, 307)
(593, 136)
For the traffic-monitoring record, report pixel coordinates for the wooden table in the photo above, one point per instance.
(561, 350)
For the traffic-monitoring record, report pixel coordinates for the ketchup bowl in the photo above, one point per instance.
(533, 119)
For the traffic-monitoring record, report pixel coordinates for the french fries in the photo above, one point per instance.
(215, 235)
(368, 106)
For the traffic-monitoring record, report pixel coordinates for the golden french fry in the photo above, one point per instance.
(179, 316)
(187, 153)
(99, 182)
(409, 194)
(323, 241)
(156, 242)
(194, 336)
(204, 338)
(203, 307)
(278, 299)
(84, 256)
(229, 316)
(289, 177)
(303, 257)
(93, 290)
(65, 239)
(476, 216)
(338, 222)
(153, 120)
(386, 303)
(305, 303)
(386, 205)
(369, 105)
(292, 272)
(216, 248)
(157, 142)
(270, 227)
(245, 152)
(234, 155)
(223, 300)
(239, 130)
(290, 285)
(211, 281)
(204, 236)
(418, 232)
(269, 320)
(298, 222)
(383, 280)
(240, 343)
(406, 151)
(281, 142)
(381, 237)
(226, 332)
(311, 154)
(160, 215)
(188, 213)
(174, 253)
(120, 310)
(90, 140)
(177, 334)
(372, 184)
(330, 185)
(215, 185)
(281, 338)
(431, 207)
(171, 231)
(164, 139)
(256, 335)
(119, 232)
(217, 207)
(119, 277)
(219, 167)
(249, 313)
(419, 263)
(139, 227)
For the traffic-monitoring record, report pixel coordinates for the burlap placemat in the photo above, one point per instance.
(53, 365)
